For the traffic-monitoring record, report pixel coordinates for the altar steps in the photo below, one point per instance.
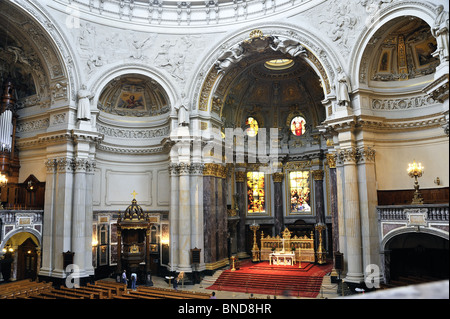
(269, 283)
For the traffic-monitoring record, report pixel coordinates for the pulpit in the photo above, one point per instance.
(133, 236)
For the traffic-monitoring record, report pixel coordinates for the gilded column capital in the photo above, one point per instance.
(240, 176)
(331, 159)
(221, 171)
(210, 169)
(318, 175)
(277, 177)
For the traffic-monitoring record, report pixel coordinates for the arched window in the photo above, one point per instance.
(298, 126)
(252, 126)
(256, 197)
(299, 192)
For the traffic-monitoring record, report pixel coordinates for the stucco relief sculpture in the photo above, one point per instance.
(288, 46)
(229, 57)
(84, 104)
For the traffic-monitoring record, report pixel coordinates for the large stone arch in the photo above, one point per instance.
(30, 231)
(410, 230)
(57, 57)
(320, 57)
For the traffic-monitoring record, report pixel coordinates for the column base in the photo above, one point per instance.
(355, 278)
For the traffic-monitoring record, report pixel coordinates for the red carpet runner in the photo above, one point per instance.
(262, 278)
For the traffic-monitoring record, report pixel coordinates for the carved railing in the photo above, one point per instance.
(434, 212)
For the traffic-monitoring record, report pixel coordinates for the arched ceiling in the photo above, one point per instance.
(29, 57)
(400, 50)
(272, 95)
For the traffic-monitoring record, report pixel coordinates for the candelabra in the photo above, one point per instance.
(321, 253)
(255, 250)
(415, 171)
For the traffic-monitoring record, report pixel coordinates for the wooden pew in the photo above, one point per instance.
(118, 287)
(109, 291)
(79, 292)
(22, 288)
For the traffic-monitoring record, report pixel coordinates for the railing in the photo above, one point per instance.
(434, 212)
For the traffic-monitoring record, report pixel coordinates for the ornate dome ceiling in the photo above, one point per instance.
(135, 96)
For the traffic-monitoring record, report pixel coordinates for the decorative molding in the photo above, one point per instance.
(33, 125)
(131, 151)
(402, 103)
(136, 134)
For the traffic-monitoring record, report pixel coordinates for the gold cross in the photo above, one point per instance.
(134, 194)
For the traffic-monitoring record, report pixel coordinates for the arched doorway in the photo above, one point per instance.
(418, 255)
(21, 257)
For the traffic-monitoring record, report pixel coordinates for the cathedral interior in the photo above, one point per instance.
(168, 137)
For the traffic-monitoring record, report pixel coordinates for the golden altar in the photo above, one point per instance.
(287, 249)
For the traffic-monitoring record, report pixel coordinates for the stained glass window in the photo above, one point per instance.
(298, 125)
(256, 198)
(299, 192)
(252, 126)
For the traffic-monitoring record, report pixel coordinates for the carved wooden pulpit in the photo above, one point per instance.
(133, 236)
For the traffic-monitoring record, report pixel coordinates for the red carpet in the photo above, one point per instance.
(262, 278)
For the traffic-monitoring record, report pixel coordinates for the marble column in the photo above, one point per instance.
(173, 215)
(368, 202)
(48, 219)
(278, 202)
(63, 214)
(348, 157)
(221, 204)
(241, 192)
(197, 234)
(320, 227)
(184, 219)
(209, 215)
(90, 167)
(78, 215)
(333, 200)
(318, 196)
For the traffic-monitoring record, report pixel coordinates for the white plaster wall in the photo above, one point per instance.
(114, 183)
(392, 161)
